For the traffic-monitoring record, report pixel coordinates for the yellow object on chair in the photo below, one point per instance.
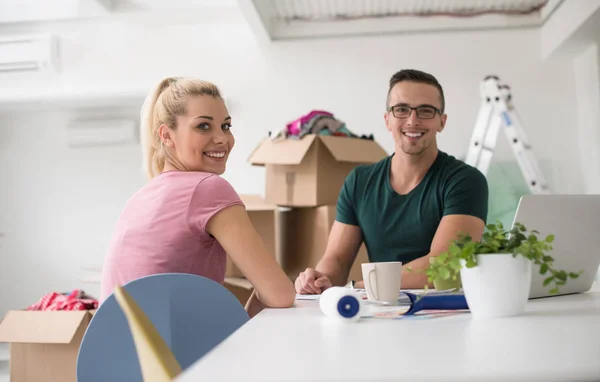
(157, 362)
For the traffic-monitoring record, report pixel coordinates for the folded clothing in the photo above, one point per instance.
(318, 122)
(295, 127)
(75, 300)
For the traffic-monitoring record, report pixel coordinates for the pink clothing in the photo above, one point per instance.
(163, 230)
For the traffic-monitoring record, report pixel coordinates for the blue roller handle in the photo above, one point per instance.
(449, 301)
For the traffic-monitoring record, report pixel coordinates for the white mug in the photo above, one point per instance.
(383, 281)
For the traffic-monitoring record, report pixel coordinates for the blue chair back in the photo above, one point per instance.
(193, 314)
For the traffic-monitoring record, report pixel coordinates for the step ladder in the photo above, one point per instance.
(498, 112)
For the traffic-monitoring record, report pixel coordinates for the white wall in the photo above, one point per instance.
(570, 25)
(574, 31)
(586, 67)
(58, 206)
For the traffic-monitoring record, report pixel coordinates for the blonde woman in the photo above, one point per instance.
(187, 217)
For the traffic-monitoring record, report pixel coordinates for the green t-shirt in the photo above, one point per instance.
(401, 227)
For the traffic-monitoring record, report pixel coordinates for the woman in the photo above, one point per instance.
(187, 217)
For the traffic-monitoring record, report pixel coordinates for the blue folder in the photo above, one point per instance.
(443, 301)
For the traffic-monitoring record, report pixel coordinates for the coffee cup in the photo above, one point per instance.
(382, 281)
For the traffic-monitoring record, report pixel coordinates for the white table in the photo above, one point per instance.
(558, 339)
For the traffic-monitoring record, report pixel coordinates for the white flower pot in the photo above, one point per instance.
(498, 286)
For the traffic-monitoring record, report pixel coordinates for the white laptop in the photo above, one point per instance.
(575, 222)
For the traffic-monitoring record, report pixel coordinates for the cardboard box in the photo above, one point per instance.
(305, 232)
(44, 344)
(311, 171)
(264, 219)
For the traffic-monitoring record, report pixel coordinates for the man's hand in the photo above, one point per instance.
(312, 282)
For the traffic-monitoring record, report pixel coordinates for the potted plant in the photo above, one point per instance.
(496, 272)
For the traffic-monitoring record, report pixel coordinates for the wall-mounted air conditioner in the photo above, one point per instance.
(37, 53)
(102, 132)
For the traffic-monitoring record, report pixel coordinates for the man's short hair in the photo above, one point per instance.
(416, 76)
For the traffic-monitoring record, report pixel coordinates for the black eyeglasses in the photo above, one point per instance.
(423, 111)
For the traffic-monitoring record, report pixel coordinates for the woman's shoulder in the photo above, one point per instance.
(190, 180)
(213, 187)
(184, 176)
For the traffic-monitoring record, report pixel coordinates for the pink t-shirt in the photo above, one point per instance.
(163, 230)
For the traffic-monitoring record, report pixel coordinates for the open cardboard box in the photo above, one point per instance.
(310, 172)
(44, 344)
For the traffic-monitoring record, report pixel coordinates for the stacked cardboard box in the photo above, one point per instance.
(305, 176)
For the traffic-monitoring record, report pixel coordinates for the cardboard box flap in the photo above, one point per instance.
(287, 151)
(354, 150)
(41, 327)
(256, 203)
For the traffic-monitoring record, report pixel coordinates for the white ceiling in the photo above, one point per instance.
(273, 20)
(293, 19)
(327, 10)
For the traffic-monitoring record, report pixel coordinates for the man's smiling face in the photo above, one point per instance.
(412, 134)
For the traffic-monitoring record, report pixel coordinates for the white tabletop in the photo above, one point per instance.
(557, 339)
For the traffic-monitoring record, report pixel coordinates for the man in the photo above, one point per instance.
(409, 206)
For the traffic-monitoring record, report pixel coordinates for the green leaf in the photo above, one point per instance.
(471, 263)
(561, 275)
(444, 274)
(549, 238)
(573, 275)
(455, 263)
(548, 280)
(554, 291)
(543, 269)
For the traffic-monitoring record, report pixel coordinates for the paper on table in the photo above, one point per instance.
(362, 293)
(312, 297)
(398, 314)
(402, 298)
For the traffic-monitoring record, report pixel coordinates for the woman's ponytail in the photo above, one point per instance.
(153, 158)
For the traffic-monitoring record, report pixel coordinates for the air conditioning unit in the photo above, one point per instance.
(37, 53)
(102, 132)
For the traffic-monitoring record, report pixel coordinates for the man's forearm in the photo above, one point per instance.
(416, 277)
(334, 270)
